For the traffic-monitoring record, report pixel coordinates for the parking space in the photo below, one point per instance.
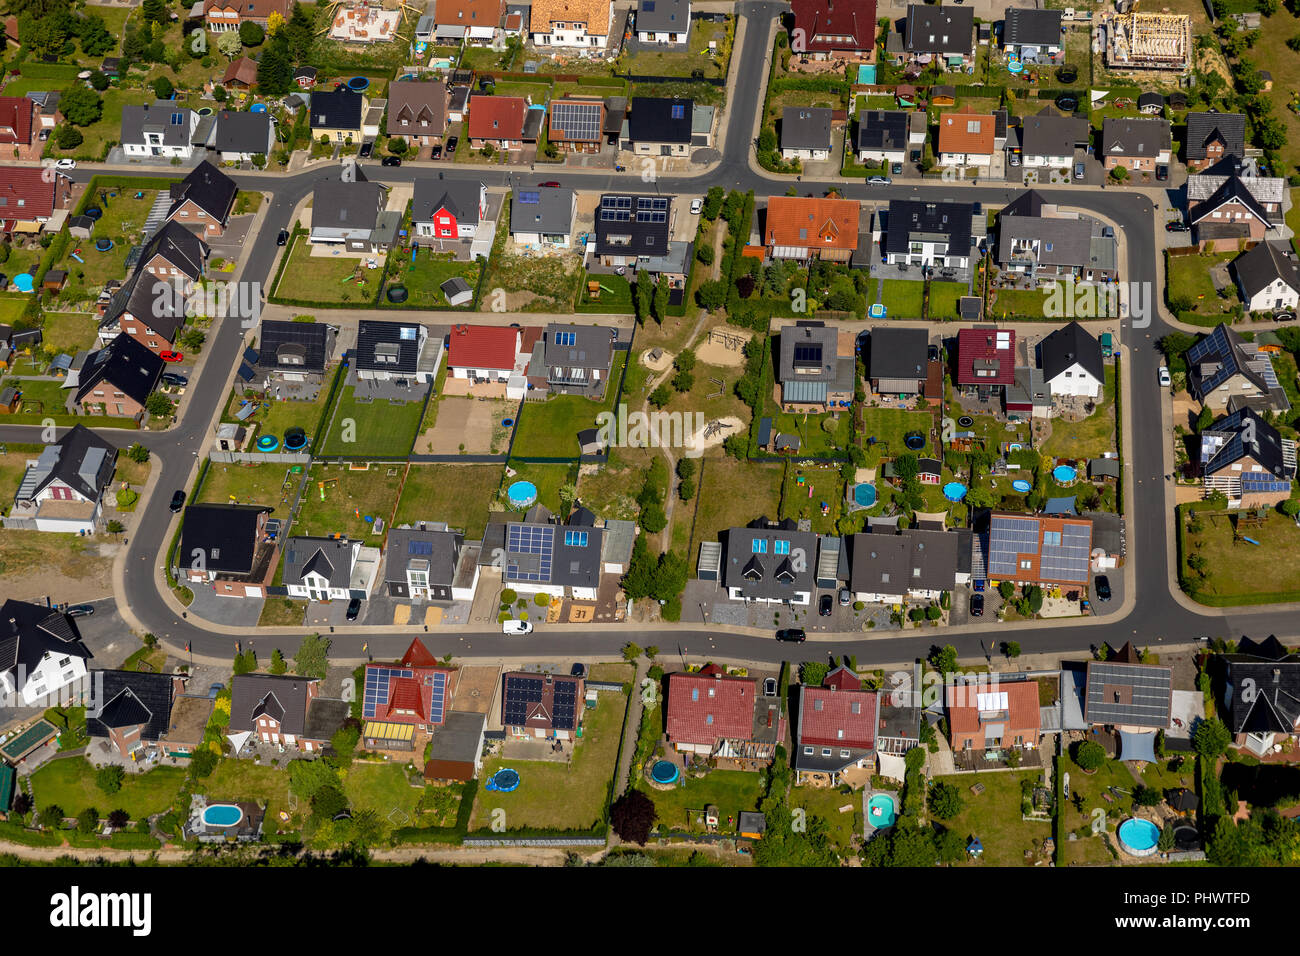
(230, 611)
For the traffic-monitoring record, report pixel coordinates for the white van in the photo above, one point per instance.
(516, 627)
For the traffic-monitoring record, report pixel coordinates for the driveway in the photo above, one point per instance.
(229, 611)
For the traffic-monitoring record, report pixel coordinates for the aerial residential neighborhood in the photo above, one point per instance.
(598, 433)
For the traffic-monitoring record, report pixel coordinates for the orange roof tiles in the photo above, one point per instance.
(966, 133)
(805, 221)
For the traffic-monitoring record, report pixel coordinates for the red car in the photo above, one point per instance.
(552, 184)
(172, 356)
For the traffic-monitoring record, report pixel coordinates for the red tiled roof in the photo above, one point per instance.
(28, 184)
(703, 708)
(966, 133)
(980, 345)
(843, 679)
(242, 70)
(407, 694)
(1021, 706)
(417, 655)
(482, 346)
(825, 24)
(497, 117)
(16, 115)
(827, 718)
(807, 221)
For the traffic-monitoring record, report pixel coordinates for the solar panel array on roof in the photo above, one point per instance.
(566, 338)
(616, 208)
(419, 547)
(530, 540)
(377, 694)
(530, 197)
(1251, 485)
(1066, 557)
(651, 209)
(1134, 694)
(1009, 537)
(580, 121)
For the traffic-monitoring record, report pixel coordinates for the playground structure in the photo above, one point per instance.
(594, 289)
(327, 481)
(728, 340)
(1151, 41)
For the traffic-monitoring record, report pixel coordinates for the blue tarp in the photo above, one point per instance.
(1137, 746)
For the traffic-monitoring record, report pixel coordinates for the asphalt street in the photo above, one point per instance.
(1156, 617)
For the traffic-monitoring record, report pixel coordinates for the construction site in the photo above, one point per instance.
(1146, 41)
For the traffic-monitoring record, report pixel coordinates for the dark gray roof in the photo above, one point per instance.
(805, 127)
(460, 197)
(378, 338)
(1135, 695)
(897, 352)
(242, 132)
(459, 737)
(1048, 133)
(1144, 137)
(1273, 705)
(1021, 25)
(808, 352)
(336, 109)
(547, 211)
(225, 534)
(663, 16)
(129, 698)
(350, 207)
(1068, 345)
(331, 558)
(1222, 354)
(784, 560)
(909, 560)
(882, 129)
(156, 302)
(909, 218)
(180, 247)
(1061, 242)
(438, 550)
(325, 715)
(946, 30)
(29, 631)
(538, 552)
(1242, 433)
(1205, 128)
(1264, 264)
(172, 121)
(584, 346)
(281, 697)
(208, 188)
(306, 346)
(637, 216)
(81, 459)
(124, 364)
(659, 120)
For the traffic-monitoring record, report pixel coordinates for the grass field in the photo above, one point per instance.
(889, 426)
(1091, 787)
(245, 484)
(610, 490)
(693, 56)
(424, 279)
(843, 827)
(376, 428)
(25, 552)
(550, 429)
(70, 783)
(1090, 437)
(731, 791)
(549, 479)
(568, 796)
(1017, 303)
(457, 494)
(282, 612)
(347, 501)
(12, 306)
(943, 299)
(902, 298)
(1188, 279)
(826, 486)
(275, 416)
(720, 507)
(384, 788)
(325, 279)
(994, 817)
(69, 332)
(243, 780)
(44, 399)
(123, 218)
(814, 438)
(13, 466)
(615, 295)
(1241, 573)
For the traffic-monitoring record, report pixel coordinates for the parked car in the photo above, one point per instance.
(578, 670)
(354, 608)
(282, 238)
(696, 206)
(794, 635)
(169, 356)
(824, 605)
(435, 152)
(45, 134)
(392, 161)
(366, 150)
(176, 379)
(896, 169)
(516, 627)
(1177, 225)
(1013, 159)
(66, 164)
(1101, 584)
(880, 181)
(80, 610)
(550, 184)
(846, 597)
(178, 502)
(1283, 316)
(1080, 170)
(1162, 173)
(214, 690)
(452, 143)
(977, 605)
(1165, 380)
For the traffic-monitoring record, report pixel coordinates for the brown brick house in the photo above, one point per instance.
(131, 709)
(203, 201)
(993, 715)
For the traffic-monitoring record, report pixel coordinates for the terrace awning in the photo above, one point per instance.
(1137, 745)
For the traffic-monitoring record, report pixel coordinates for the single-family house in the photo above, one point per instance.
(1268, 276)
(241, 74)
(336, 115)
(447, 210)
(228, 547)
(174, 254)
(1225, 372)
(578, 25)
(943, 35)
(1043, 244)
(663, 21)
(916, 564)
(827, 29)
(578, 359)
(539, 557)
(1246, 459)
(1231, 204)
(469, 21)
(813, 372)
(484, 353)
(1135, 699)
(659, 127)
(993, 715)
(986, 361)
(427, 563)
(285, 710)
(393, 350)
(130, 709)
(417, 111)
(203, 200)
(805, 133)
(156, 129)
(1213, 137)
(329, 569)
(456, 751)
(769, 563)
(882, 136)
(117, 379)
(293, 353)
(966, 139)
(576, 124)
(717, 716)
(835, 731)
(29, 197)
(41, 653)
(1139, 144)
(149, 309)
(221, 16)
(496, 121)
(1261, 695)
(897, 360)
(543, 218)
(929, 235)
(1048, 139)
(1070, 358)
(810, 227)
(237, 137)
(351, 213)
(1032, 36)
(63, 490)
(407, 700)
(546, 706)
(17, 122)
(1045, 550)
(631, 230)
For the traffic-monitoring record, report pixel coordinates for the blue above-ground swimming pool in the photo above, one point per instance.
(268, 443)
(880, 811)
(23, 282)
(521, 494)
(865, 495)
(954, 491)
(1138, 837)
(222, 815)
(664, 772)
(1064, 474)
(1021, 486)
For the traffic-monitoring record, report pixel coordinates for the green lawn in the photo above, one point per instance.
(246, 484)
(69, 332)
(1090, 437)
(720, 507)
(615, 295)
(889, 426)
(553, 282)
(1188, 283)
(1017, 303)
(684, 62)
(384, 788)
(562, 796)
(70, 783)
(107, 130)
(424, 278)
(348, 500)
(123, 219)
(327, 279)
(13, 304)
(827, 488)
(943, 299)
(994, 817)
(550, 429)
(275, 416)
(843, 827)
(902, 298)
(13, 466)
(376, 428)
(815, 439)
(681, 809)
(243, 780)
(1238, 572)
(457, 494)
(282, 612)
(549, 479)
(1091, 786)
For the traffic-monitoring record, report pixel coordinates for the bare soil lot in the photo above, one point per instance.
(467, 425)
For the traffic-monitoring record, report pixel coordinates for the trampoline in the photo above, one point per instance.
(664, 772)
(358, 83)
(205, 110)
(93, 213)
(965, 421)
(865, 495)
(914, 441)
(268, 443)
(1064, 474)
(103, 245)
(504, 780)
(521, 494)
(23, 282)
(295, 439)
(507, 423)
(397, 293)
(1022, 486)
(954, 491)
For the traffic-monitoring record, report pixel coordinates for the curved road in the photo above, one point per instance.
(1157, 615)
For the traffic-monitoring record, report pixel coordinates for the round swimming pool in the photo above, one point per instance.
(222, 815)
(268, 443)
(954, 491)
(664, 772)
(880, 811)
(521, 494)
(23, 282)
(1064, 474)
(865, 495)
(1021, 486)
(1138, 837)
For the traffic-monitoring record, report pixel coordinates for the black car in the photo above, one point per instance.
(1162, 173)
(977, 605)
(1101, 584)
(1177, 225)
(824, 606)
(178, 502)
(896, 169)
(392, 161)
(578, 670)
(435, 152)
(354, 608)
(80, 610)
(175, 378)
(366, 150)
(795, 635)
(282, 238)
(452, 143)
